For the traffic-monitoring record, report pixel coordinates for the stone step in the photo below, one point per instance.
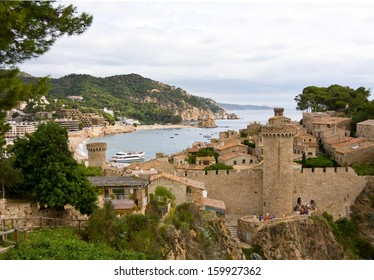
(233, 232)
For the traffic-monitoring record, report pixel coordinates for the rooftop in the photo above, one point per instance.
(218, 204)
(346, 142)
(184, 181)
(367, 122)
(117, 181)
(234, 155)
(355, 147)
(230, 145)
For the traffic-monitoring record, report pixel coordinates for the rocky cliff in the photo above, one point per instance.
(211, 241)
(362, 211)
(298, 239)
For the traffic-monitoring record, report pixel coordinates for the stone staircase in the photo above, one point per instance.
(231, 222)
(233, 232)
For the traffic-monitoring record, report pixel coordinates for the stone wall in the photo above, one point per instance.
(241, 192)
(331, 189)
(11, 210)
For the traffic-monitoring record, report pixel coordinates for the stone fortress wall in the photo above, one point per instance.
(331, 189)
(241, 192)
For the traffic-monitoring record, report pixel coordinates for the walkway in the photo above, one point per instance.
(231, 221)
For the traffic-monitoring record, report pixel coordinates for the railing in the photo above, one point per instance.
(14, 228)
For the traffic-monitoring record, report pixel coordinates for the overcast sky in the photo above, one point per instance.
(244, 52)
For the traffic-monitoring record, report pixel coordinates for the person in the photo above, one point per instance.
(267, 217)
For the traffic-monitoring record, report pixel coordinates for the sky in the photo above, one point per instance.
(242, 52)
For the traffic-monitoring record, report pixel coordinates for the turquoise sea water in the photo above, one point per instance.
(170, 141)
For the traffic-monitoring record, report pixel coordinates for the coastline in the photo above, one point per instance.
(77, 138)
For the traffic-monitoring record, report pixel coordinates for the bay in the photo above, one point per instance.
(170, 141)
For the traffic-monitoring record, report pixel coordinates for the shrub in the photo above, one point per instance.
(63, 244)
(218, 166)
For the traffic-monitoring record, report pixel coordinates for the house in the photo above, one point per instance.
(317, 123)
(365, 129)
(231, 148)
(355, 152)
(123, 191)
(184, 189)
(304, 143)
(205, 160)
(236, 158)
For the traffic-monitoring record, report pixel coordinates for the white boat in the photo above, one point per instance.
(125, 157)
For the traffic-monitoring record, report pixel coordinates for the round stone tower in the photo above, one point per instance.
(96, 154)
(277, 168)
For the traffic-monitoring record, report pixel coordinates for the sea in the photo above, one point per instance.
(170, 141)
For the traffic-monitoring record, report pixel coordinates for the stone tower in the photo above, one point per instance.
(96, 154)
(277, 138)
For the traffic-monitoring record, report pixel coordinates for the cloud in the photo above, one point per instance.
(243, 51)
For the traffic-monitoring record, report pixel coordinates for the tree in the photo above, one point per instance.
(51, 175)
(334, 97)
(29, 29)
(9, 176)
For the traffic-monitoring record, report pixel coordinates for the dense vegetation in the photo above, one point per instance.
(319, 161)
(52, 177)
(364, 169)
(136, 236)
(347, 233)
(203, 152)
(64, 244)
(218, 166)
(131, 96)
(350, 102)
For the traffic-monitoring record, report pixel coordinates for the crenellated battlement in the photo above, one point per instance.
(96, 147)
(327, 170)
(284, 130)
(212, 173)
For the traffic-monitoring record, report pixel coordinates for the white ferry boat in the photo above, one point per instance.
(126, 157)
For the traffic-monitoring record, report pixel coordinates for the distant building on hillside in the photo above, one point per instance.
(20, 129)
(366, 129)
(75, 97)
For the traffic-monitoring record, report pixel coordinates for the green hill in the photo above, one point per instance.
(136, 97)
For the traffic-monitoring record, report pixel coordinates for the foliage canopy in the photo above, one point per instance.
(51, 175)
(334, 97)
(29, 29)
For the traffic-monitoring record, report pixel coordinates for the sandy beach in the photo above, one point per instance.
(78, 137)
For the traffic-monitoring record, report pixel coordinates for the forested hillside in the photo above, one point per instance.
(136, 97)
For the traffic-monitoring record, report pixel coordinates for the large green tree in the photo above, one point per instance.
(27, 30)
(334, 97)
(52, 176)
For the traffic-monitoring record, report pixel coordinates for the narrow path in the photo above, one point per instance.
(231, 221)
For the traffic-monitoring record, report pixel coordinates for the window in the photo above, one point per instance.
(243, 161)
(234, 162)
(188, 189)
